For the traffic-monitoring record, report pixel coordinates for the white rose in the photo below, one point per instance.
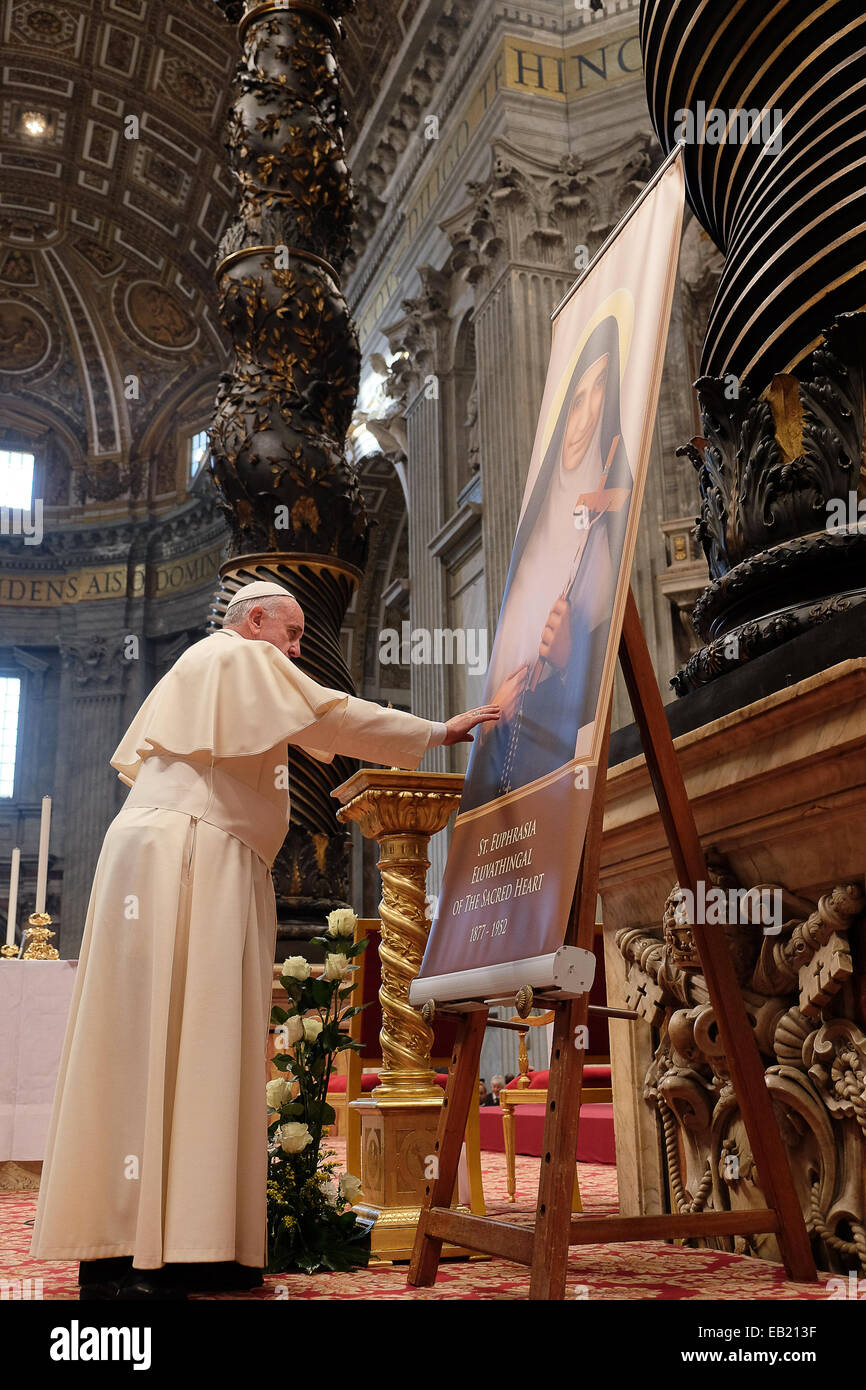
(331, 1192)
(290, 1032)
(296, 968)
(312, 1029)
(341, 922)
(350, 1188)
(335, 967)
(278, 1092)
(293, 1137)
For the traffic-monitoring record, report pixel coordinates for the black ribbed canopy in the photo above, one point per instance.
(790, 224)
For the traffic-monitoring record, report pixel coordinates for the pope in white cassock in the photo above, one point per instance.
(156, 1152)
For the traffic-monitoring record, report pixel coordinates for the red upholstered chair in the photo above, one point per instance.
(338, 1086)
(596, 1080)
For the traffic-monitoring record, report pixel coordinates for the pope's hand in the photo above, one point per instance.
(555, 645)
(458, 727)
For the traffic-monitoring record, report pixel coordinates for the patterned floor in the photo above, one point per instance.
(646, 1271)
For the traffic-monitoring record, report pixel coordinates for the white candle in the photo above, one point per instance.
(13, 898)
(42, 868)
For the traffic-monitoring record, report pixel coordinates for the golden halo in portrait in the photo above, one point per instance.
(620, 306)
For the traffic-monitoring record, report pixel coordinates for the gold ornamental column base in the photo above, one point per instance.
(399, 1119)
(397, 1143)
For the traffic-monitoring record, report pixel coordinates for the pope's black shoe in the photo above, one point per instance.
(106, 1280)
(217, 1276)
(100, 1279)
(150, 1284)
(104, 1271)
(116, 1280)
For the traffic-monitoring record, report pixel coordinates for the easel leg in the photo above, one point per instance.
(558, 1172)
(460, 1093)
(737, 1039)
(556, 1184)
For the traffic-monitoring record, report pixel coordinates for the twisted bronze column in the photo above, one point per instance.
(291, 497)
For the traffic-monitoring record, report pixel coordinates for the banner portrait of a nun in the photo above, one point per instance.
(517, 841)
(546, 665)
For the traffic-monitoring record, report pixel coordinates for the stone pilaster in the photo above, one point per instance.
(423, 335)
(92, 723)
(515, 239)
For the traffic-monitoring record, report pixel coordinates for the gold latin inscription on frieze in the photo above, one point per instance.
(169, 577)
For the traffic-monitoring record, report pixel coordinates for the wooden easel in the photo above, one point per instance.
(545, 1247)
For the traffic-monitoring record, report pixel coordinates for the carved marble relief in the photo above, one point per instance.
(805, 990)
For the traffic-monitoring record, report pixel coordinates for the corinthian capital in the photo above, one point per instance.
(520, 212)
(96, 665)
(420, 338)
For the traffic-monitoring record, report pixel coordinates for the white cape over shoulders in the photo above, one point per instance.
(232, 698)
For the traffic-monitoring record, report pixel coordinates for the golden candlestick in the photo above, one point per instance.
(37, 947)
(400, 810)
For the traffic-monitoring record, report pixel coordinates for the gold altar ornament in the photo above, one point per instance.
(37, 931)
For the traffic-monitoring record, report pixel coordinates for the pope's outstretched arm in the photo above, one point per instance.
(271, 618)
(228, 697)
(362, 729)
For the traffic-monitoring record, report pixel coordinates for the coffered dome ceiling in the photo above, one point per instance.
(114, 193)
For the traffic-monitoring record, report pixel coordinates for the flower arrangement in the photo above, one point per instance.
(311, 1224)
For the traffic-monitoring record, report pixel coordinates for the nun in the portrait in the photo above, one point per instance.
(547, 659)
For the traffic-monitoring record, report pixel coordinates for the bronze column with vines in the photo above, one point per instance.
(278, 459)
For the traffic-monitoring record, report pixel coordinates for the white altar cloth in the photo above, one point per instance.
(34, 1004)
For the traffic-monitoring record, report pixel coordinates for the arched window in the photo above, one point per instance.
(199, 449)
(16, 479)
(10, 701)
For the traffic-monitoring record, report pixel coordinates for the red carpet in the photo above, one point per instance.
(650, 1270)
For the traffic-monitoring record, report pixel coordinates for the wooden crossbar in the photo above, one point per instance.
(517, 1243)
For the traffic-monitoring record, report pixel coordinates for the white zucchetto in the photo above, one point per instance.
(261, 588)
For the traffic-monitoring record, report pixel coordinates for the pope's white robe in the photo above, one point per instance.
(156, 1147)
